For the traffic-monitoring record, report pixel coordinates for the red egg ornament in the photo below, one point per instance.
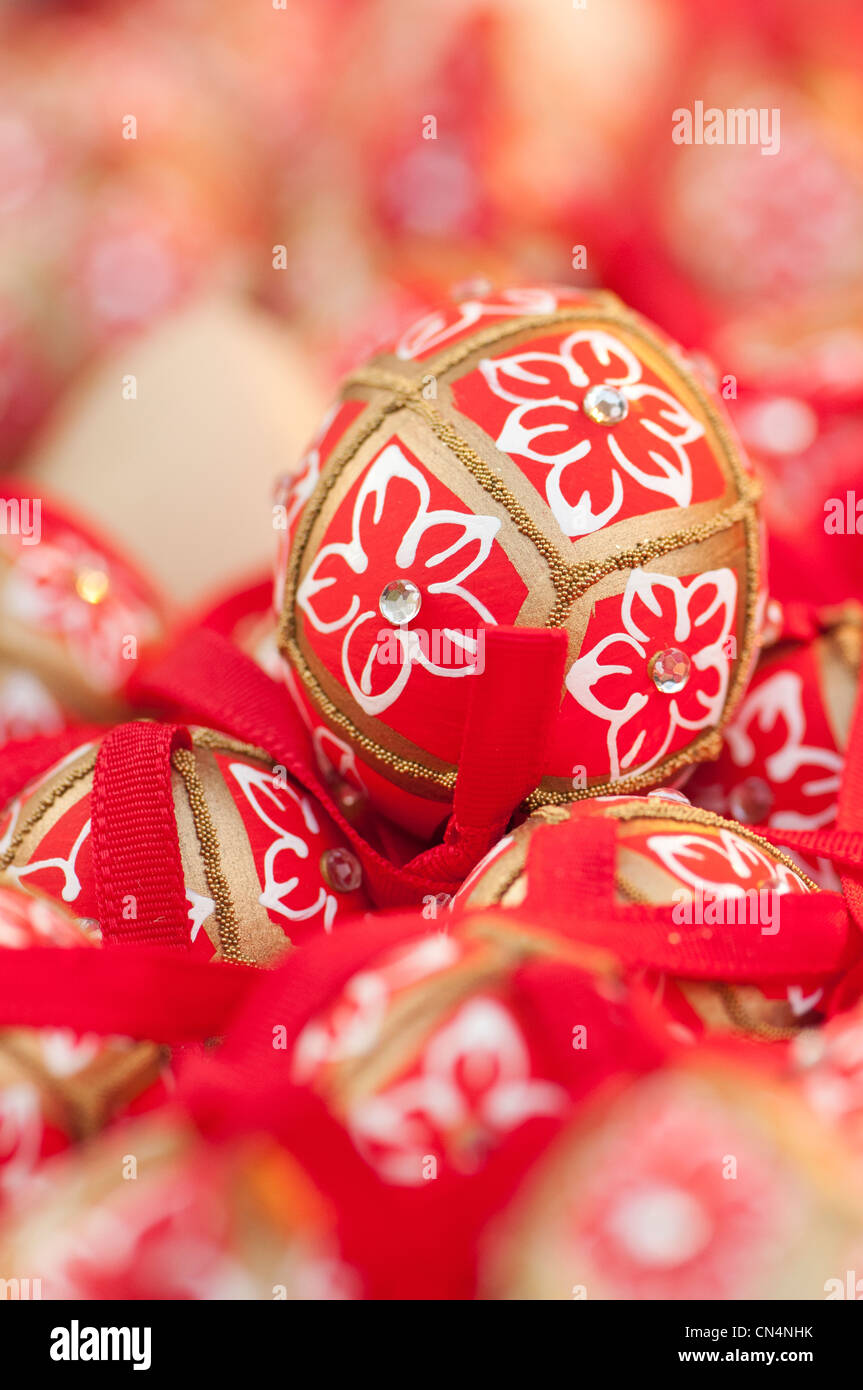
(75, 618)
(205, 845)
(200, 1221)
(692, 904)
(784, 751)
(444, 1061)
(59, 1085)
(705, 1180)
(536, 458)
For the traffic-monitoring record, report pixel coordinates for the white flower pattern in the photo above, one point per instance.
(527, 380)
(778, 702)
(727, 864)
(704, 615)
(342, 570)
(473, 1083)
(443, 325)
(287, 814)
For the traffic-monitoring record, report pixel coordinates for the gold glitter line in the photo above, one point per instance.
(183, 760)
(66, 783)
(676, 811)
(743, 1021)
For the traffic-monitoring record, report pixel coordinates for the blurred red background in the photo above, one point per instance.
(232, 201)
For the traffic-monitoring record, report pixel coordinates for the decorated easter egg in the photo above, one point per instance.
(263, 866)
(725, 889)
(534, 458)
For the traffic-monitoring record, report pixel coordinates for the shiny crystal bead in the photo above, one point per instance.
(90, 927)
(605, 405)
(670, 670)
(400, 601)
(342, 870)
(92, 585)
(751, 801)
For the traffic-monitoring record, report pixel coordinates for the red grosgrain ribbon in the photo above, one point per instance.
(204, 677)
(512, 706)
(141, 992)
(207, 679)
(299, 986)
(137, 868)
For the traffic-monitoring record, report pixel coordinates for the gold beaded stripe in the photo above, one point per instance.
(84, 1102)
(837, 654)
(601, 303)
(573, 579)
(655, 809)
(628, 891)
(847, 633)
(411, 1020)
(706, 746)
(183, 760)
(19, 1058)
(744, 1022)
(748, 489)
(50, 798)
(46, 658)
(729, 995)
(369, 422)
(205, 738)
(261, 939)
(531, 941)
(389, 392)
(676, 811)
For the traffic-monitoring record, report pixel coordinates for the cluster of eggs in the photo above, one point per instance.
(533, 459)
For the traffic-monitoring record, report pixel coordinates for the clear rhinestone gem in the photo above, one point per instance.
(751, 801)
(341, 870)
(92, 585)
(670, 670)
(605, 405)
(400, 601)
